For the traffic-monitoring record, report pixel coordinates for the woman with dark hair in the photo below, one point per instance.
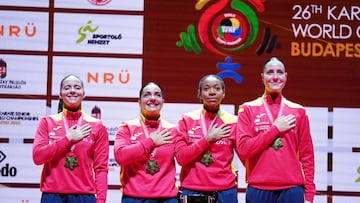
(74, 149)
(205, 144)
(145, 151)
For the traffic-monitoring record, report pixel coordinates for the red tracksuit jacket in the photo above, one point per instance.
(191, 145)
(269, 169)
(51, 147)
(133, 149)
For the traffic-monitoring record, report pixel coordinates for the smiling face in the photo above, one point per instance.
(211, 93)
(151, 101)
(72, 93)
(274, 76)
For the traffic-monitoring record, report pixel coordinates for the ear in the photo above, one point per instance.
(84, 95)
(262, 77)
(199, 95)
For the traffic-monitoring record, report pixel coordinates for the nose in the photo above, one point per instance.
(276, 75)
(72, 89)
(212, 91)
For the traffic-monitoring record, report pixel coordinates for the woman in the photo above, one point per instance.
(275, 143)
(74, 148)
(145, 151)
(205, 146)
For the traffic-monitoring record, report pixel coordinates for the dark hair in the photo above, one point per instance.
(274, 58)
(145, 85)
(201, 82)
(62, 81)
(60, 105)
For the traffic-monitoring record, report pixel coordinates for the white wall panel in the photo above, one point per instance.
(112, 33)
(23, 30)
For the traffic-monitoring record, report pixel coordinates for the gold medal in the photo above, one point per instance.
(207, 159)
(152, 167)
(71, 162)
(277, 144)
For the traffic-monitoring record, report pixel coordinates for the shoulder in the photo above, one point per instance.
(90, 119)
(228, 117)
(255, 102)
(55, 117)
(250, 104)
(133, 122)
(194, 115)
(94, 122)
(166, 124)
(294, 105)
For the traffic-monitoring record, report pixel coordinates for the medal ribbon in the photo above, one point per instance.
(268, 112)
(207, 158)
(147, 134)
(66, 125)
(203, 123)
(277, 143)
(71, 161)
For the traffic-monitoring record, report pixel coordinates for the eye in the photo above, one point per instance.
(205, 89)
(66, 87)
(280, 72)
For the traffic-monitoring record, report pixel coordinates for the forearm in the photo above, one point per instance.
(187, 153)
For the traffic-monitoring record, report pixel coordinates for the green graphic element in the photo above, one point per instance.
(254, 23)
(358, 179)
(189, 41)
(220, 31)
(82, 31)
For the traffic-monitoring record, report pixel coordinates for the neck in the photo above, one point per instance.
(211, 110)
(273, 95)
(76, 109)
(71, 110)
(150, 118)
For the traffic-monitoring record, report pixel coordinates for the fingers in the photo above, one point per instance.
(78, 133)
(162, 137)
(85, 130)
(284, 123)
(290, 120)
(217, 133)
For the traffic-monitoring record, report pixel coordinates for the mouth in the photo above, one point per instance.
(212, 99)
(276, 83)
(71, 98)
(152, 105)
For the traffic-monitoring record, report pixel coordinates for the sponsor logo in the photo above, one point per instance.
(99, 2)
(89, 34)
(7, 170)
(225, 28)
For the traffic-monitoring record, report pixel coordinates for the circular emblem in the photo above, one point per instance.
(230, 30)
